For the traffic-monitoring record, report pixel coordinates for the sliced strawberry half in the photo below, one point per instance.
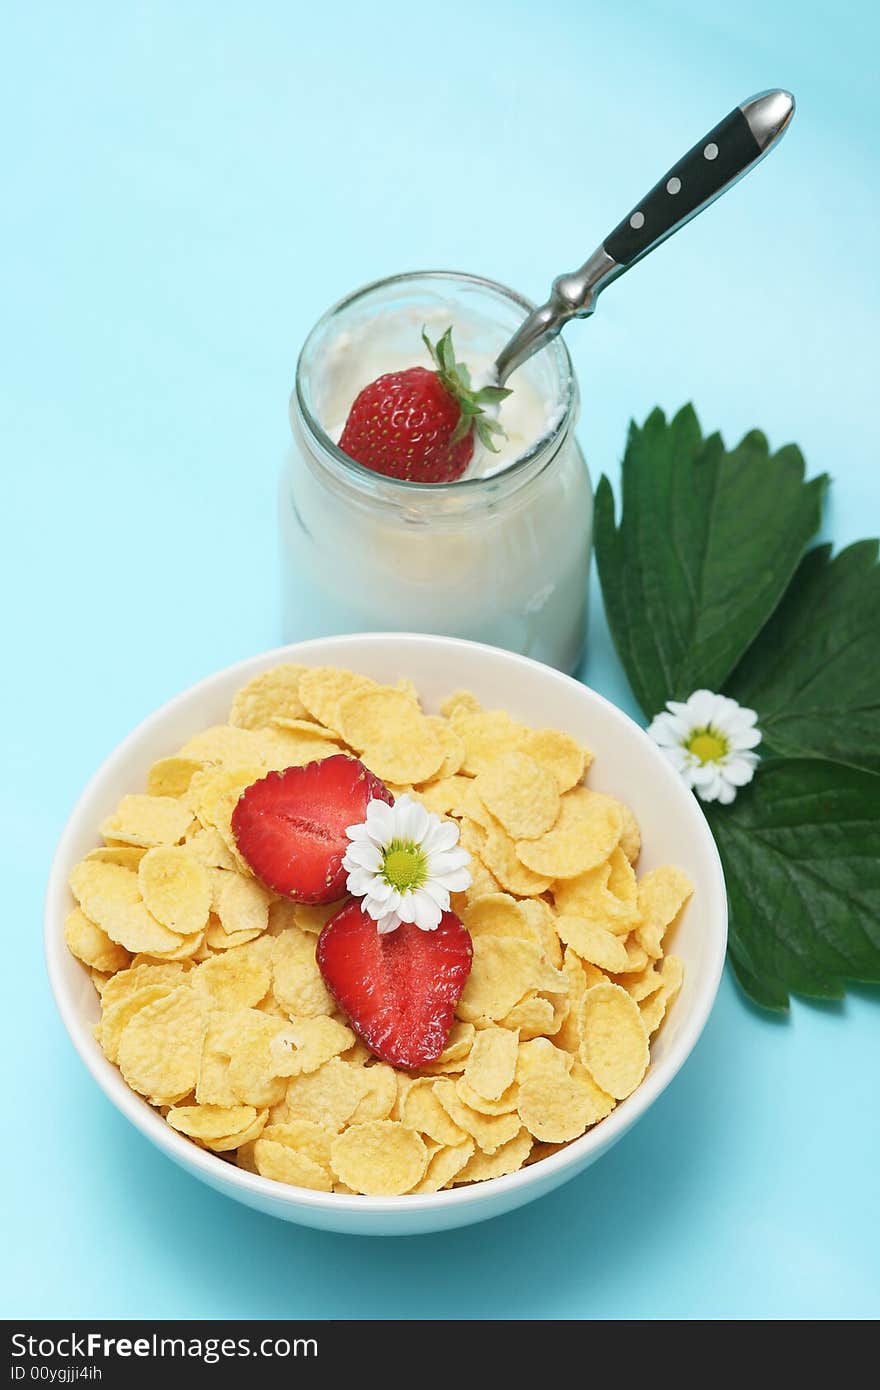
(399, 989)
(290, 826)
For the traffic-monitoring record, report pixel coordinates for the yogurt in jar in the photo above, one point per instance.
(392, 341)
(500, 556)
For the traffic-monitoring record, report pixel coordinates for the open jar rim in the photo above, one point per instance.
(541, 452)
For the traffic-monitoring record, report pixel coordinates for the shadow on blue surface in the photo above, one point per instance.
(246, 1264)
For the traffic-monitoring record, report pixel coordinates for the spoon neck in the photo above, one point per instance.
(575, 294)
(572, 296)
(535, 331)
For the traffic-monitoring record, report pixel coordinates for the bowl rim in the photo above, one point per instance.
(214, 1169)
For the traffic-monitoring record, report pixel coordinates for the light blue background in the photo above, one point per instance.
(185, 188)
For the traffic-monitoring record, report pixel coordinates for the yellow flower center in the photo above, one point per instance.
(405, 866)
(707, 745)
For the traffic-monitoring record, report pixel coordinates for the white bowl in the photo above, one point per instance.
(627, 764)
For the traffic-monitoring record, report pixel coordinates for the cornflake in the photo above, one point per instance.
(215, 1011)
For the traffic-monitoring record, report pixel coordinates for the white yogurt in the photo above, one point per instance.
(502, 556)
(392, 341)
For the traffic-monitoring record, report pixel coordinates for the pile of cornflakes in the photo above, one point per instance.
(213, 1006)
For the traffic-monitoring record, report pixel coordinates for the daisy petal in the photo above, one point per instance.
(387, 924)
(739, 769)
(681, 711)
(381, 890)
(392, 902)
(440, 837)
(713, 786)
(746, 738)
(438, 893)
(407, 907)
(363, 856)
(380, 821)
(458, 881)
(724, 714)
(701, 707)
(703, 775)
(688, 776)
(666, 730)
(359, 882)
(378, 905)
(426, 913)
(678, 757)
(410, 820)
(447, 862)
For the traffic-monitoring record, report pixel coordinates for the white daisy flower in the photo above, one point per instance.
(709, 740)
(404, 862)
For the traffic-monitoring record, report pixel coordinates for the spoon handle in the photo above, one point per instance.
(713, 165)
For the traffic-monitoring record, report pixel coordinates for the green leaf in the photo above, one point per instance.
(800, 853)
(456, 378)
(463, 427)
(491, 395)
(813, 674)
(486, 431)
(434, 355)
(446, 353)
(707, 544)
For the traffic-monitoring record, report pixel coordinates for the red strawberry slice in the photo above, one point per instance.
(400, 989)
(290, 826)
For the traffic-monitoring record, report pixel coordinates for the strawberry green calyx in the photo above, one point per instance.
(457, 380)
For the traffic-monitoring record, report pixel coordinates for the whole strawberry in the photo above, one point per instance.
(420, 425)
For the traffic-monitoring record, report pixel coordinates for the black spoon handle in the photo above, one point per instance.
(729, 150)
(734, 147)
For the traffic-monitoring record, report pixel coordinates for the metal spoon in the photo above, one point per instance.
(715, 163)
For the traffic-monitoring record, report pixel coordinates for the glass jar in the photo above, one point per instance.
(501, 558)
